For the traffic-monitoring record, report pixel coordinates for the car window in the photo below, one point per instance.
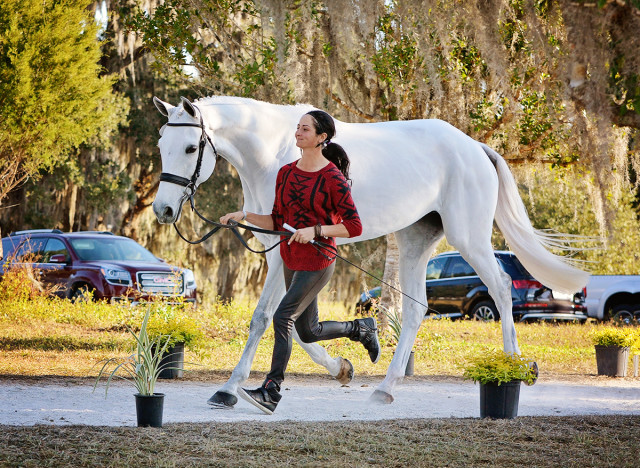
(54, 247)
(31, 251)
(458, 267)
(111, 248)
(435, 267)
(513, 267)
(9, 245)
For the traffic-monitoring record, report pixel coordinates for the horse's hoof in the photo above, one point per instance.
(222, 400)
(346, 372)
(536, 372)
(384, 398)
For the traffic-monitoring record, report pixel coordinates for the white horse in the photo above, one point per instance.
(419, 179)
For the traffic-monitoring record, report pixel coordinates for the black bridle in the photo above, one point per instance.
(190, 184)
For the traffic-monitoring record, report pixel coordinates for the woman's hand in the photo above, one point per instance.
(304, 235)
(236, 216)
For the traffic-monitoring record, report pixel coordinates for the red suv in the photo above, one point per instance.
(109, 267)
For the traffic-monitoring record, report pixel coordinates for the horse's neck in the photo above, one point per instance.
(256, 139)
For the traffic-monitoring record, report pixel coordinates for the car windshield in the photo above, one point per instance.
(111, 248)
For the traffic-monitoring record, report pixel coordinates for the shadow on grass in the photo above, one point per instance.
(62, 343)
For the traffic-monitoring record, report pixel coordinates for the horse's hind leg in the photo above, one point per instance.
(416, 244)
(272, 293)
(471, 235)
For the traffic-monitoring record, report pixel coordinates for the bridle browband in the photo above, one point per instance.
(190, 184)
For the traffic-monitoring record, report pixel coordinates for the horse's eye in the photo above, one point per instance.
(191, 149)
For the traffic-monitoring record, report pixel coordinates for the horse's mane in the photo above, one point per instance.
(237, 100)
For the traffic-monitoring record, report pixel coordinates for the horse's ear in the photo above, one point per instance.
(163, 107)
(191, 110)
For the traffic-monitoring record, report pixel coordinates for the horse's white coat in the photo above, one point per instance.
(403, 173)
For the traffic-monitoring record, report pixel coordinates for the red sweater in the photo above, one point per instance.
(304, 199)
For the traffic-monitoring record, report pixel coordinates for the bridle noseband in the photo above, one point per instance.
(190, 184)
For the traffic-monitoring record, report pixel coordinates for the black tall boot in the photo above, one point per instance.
(366, 332)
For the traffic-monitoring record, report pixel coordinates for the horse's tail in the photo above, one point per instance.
(529, 244)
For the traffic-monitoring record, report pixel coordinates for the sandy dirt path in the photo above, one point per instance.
(60, 402)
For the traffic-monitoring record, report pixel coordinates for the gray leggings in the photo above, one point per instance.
(300, 307)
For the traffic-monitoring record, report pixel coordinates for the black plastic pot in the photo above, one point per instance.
(612, 360)
(149, 409)
(409, 370)
(172, 362)
(499, 401)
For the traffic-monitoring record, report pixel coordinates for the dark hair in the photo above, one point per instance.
(332, 151)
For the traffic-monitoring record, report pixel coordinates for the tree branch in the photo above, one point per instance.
(348, 107)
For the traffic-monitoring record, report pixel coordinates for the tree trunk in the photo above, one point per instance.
(389, 298)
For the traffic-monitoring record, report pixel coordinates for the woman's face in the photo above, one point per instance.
(306, 136)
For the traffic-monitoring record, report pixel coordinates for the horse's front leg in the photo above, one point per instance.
(271, 296)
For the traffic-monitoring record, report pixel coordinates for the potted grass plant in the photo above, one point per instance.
(141, 368)
(394, 319)
(499, 375)
(612, 345)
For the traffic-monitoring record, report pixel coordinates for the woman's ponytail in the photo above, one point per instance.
(332, 151)
(338, 156)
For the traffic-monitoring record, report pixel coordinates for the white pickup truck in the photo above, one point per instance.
(613, 297)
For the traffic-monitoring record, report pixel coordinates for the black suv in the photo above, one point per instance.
(107, 266)
(454, 290)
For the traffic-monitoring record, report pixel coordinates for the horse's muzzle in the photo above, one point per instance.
(165, 214)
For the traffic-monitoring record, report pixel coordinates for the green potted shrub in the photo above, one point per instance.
(394, 319)
(499, 375)
(612, 349)
(179, 330)
(142, 368)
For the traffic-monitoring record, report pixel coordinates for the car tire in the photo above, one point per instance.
(82, 293)
(485, 311)
(625, 314)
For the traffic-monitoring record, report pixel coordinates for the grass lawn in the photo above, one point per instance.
(45, 337)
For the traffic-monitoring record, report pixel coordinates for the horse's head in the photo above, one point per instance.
(188, 158)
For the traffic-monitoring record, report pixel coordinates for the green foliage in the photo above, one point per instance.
(235, 56)
(560, 199)
(396, 56)
(394, 318)
(613, 336)
(466, 59)
(173, 323)
(19, 284)
(624, 87)
(52, 97)
(143, 367)
(496, 366)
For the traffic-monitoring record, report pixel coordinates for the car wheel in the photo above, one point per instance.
(624, 314)
(363, 308)
(485, 311)
(82, 294)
